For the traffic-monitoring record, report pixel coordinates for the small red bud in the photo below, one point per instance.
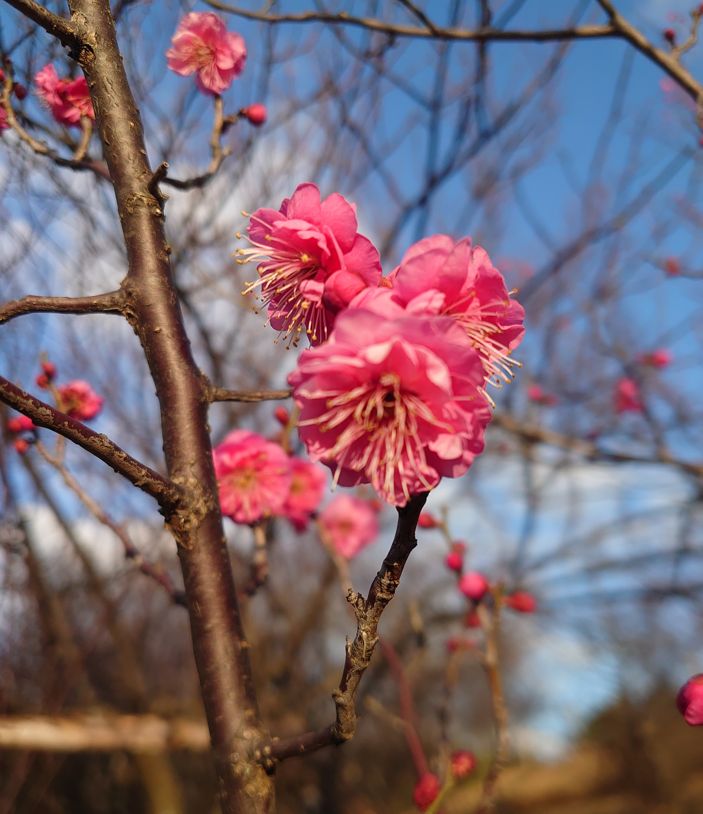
(19, 90)
(670, 35)
(20, 424)
(49, 369)
(462, 763)
(42, 381)
(2, 75)
(256, 113)
(474, 585)
(672, 267)
(281, 415)
(522, 602)
(454, 561)
(426, 790)
(472, 619)
(427, 521)
(690, 700)
(20, 445)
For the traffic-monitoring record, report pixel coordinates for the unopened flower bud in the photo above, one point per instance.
(21, 445)
(672, 267)
(690, 700)
(42, 381)
(427, 521)
(522, 602)
(20, 424)
(256, 114)
(281, 415)
(454, 561)
(472, 619)
(19, 90)
(670, 35)
(426, 790)
(474, 585)
(462, 763)
(49, 369)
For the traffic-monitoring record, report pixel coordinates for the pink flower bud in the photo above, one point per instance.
(669, 35)
(472, 619)
(462, 763)
(454, 561)
(427, 521)
(522, 602)
(672, 267)
(474, 585)
(42, 381)
(256, 114)
(20, 445)
(690, 700)
(20, 424)
(426, 790)
(49, 369)
(281, 415)
(19, 90)
(658, 359)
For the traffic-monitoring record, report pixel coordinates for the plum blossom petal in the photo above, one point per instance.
(67, 99)
(253, 476)
(311, 261)
(202, 45)
(348, 524)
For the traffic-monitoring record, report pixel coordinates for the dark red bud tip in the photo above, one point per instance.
(20, 445)
(49, 369)
(256, 114)
(670, 35)
(427, 521)
(19, 90)
(462, 763)
(522, 602)
(426, 791)
(281, 415)
(42, 381)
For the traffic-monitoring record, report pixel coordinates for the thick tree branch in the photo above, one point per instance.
(110, 303)
(166, 494)
(57, 26)
(359, 651)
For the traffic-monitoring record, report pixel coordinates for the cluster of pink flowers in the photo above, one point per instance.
(258, 479)
(67, 99)
(203, 46)
(393, 391)
(78, 400)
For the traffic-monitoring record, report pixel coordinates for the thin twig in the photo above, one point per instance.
(111, 302)
(57, 26)
(223, 394)
(166, 494)
(131, 552)
(359, 651)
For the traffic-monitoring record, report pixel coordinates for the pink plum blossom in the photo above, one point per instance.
(306, 489)
(311, 261)
(440, 276)
(394, 402)
(657, 359)
(202, 45)
(690, 700)
(67, 99)
(348, 524)
(78, 400)
(253, 476)
(627, 396)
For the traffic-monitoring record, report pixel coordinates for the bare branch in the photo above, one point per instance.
(163, 491)
(368, 614)
(248, 396)
(111, 302)
(57, 26)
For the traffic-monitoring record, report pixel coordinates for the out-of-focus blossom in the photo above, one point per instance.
(67, 99)
(49, 369)
(426, 790)
(658, 359)
(455, 559)
(672, 267)
(521, 601)
(79, 400)
(306, 489)
(440, 276)
(461, 763)
(396, 403)
(348, 525)
(20, 424)
(427, 521)
(474, 585)
(539, 396)
(627, 396)
(253, 476)
(202, 45)
(311, 261)
(689, 700)
(21, 445)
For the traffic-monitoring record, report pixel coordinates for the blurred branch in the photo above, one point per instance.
(57, 26)
(103, 732)
(110, 303)
(162, 490)
(359, 652)
(223, 394)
